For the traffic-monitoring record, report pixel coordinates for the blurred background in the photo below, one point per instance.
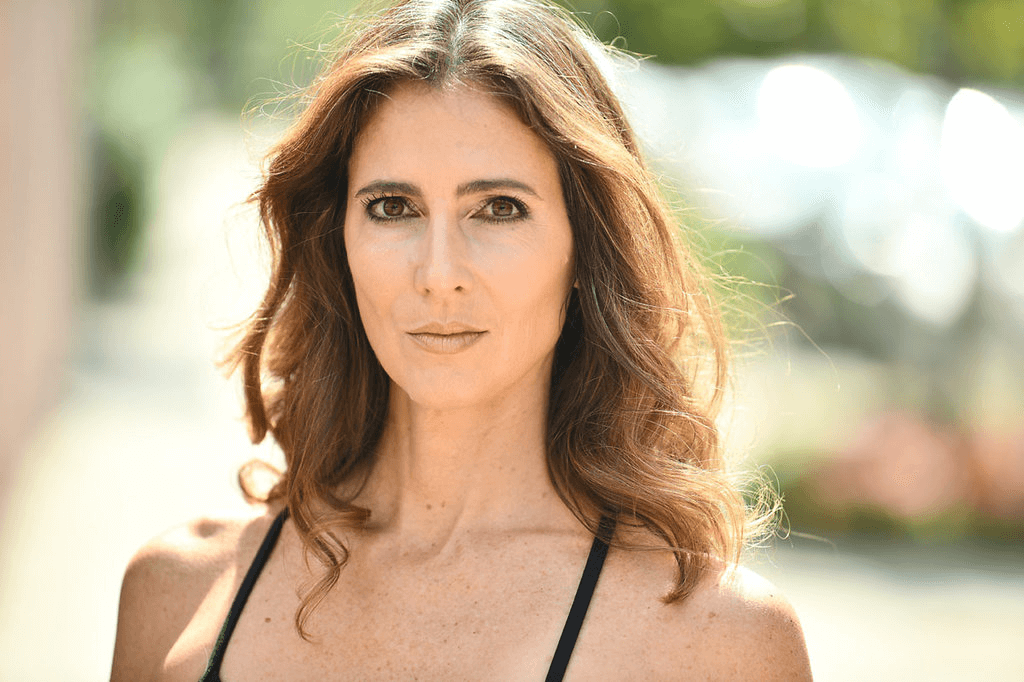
(852, 170)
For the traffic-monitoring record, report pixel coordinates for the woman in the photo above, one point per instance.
(480, 353)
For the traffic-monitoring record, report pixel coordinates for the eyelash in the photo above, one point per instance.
(372, 201)
(521, 210)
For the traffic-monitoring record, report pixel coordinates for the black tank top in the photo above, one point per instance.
(566, 643)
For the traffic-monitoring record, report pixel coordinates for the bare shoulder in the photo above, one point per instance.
(746, 628)
(166, 581)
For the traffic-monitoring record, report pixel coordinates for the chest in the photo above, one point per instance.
(475, 616)
(481, 616)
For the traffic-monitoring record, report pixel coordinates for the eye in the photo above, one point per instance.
(502, 209)
(388, 208)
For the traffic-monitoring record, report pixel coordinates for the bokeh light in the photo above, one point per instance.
(983, 160)
(807, 116)
(934, 268)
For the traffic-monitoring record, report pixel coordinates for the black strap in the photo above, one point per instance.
(212, 673)
(581, 602)
(566, 643)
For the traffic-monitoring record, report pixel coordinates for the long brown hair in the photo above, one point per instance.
(629, 431)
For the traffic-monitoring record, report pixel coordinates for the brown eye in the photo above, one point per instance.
(502, 208)
(392, 207)
(389, 209)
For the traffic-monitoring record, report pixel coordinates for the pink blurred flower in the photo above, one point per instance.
(899, 463)
(999, 472)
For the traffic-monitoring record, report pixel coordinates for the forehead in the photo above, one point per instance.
(420, 130)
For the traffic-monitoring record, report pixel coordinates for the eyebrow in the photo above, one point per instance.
(474, 187)
(478, 186)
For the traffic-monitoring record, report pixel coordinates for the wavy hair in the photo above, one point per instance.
(640, 364)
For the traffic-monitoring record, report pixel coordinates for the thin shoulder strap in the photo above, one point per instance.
(212, 673)
(581, 602)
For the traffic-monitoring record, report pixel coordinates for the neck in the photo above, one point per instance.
(441, 473)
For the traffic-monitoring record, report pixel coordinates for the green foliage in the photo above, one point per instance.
(117, 216)
(808, 511)
(963, 39)
(674, 32)
(908, 32)
(988, 39)
(231, 47)
(154, 64)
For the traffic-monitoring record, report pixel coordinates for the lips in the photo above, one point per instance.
(446, 328)
(446, 338)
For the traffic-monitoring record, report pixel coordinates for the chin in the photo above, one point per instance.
(441, 386)
(445, 390)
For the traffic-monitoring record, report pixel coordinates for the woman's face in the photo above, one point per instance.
(459, 246)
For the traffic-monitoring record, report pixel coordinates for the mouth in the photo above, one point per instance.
(446, 343)
(446, 329)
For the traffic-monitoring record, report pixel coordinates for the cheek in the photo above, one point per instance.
(374, 279)
(538, 293)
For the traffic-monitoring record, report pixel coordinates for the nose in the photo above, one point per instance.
(442, 267)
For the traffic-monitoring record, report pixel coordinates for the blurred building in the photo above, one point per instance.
(42, 194)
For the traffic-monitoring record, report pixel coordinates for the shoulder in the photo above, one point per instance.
(733, 626)
(745, 627)
(168, 578)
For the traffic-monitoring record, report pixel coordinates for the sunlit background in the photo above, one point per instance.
(852, 170)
